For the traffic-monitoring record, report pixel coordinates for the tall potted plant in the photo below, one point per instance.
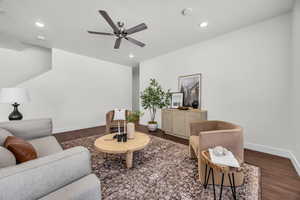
(153, 98)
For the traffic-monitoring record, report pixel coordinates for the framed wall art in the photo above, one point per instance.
(176, 99)
(190, 86)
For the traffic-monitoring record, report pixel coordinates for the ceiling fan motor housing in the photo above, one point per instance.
(120, 32)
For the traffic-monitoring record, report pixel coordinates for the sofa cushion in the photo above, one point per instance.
(22, 150)
(194, 141)
(3, 135)
(7, 158)
(87, 188)
(46, 146)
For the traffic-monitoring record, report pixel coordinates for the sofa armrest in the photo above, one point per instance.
(29, 129)
(230, 139)
(37, 178)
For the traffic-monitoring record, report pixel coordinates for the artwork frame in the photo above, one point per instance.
(191, 87)
(176, 99)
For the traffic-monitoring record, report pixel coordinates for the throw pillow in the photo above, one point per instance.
(7, 158)
(3, 135)
(22, 150)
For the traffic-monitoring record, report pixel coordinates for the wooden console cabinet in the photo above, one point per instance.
(177, 122)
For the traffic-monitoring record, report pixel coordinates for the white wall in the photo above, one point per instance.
(135, 88)
(245, 78)
(77, 92)
(18, 66)
(296, 80)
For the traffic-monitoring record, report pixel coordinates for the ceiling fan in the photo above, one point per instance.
(120, 32)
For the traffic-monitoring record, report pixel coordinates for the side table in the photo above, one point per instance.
(224, 170)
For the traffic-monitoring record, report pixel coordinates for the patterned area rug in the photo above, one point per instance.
(163, 170)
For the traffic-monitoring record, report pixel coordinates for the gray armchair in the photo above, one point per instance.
(56, 174)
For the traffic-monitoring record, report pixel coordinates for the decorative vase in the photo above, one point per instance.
(195, 104)
(152, 126)
(15, 115)
(130, 130)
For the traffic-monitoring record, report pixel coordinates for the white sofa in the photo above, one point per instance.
(56, 174)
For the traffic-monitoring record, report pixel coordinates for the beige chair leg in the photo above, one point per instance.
(107, 129)
(192, 152)
(199, 169)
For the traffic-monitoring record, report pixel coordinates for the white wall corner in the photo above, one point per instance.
(275, 151)
(295, 162)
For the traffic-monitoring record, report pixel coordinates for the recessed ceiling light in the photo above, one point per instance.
(131, 55)
(203, 24)
(40, 24)
(41, 37)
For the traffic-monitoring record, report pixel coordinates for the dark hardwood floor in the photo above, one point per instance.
(279, 178)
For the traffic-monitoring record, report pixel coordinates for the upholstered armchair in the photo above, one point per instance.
(208, 134)
(110, 123)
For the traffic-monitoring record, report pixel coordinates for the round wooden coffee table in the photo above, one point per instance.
(107, 144)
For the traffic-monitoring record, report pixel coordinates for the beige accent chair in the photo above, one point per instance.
(208, 134)
(110, 123)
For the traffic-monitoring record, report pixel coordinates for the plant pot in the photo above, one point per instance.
(130, 130)
(152, 126)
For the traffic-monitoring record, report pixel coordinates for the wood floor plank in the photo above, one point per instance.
(279, 178)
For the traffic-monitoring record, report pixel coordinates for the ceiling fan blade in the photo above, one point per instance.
(137, 28)
(118, 43)
(109, 20)
(99, 33)
(134, 41)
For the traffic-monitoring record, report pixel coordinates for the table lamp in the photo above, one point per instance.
(120, 115)
(14, 96)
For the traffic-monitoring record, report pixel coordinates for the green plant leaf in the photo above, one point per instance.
(154, 97)
(134, 116)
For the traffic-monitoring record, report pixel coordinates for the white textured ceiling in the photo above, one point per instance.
(68, 20)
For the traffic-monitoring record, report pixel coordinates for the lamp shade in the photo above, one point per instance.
(119, 114)
(14, 95)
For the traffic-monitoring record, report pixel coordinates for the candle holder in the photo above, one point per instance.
(119, 137)
(125, 137)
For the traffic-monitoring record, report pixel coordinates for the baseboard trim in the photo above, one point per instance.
(268, 149)
(295, 163)
(275, 151)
